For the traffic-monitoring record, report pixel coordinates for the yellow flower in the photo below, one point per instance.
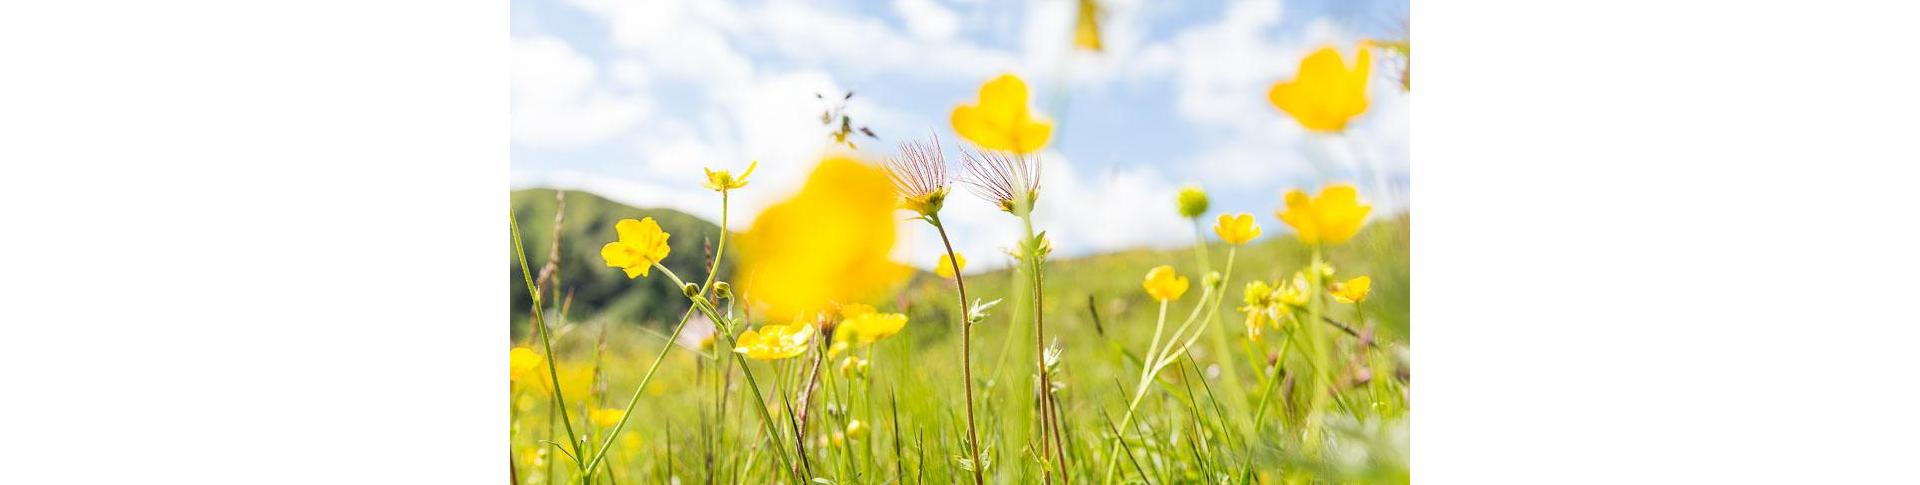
(523, 362)
(1086, 30)
(856, 429)
(1163, 285)
(1001, 121)
(1352, 291)
(945, 267)
(1325, 94)
(828, 244)
(775, 342)
(1258, 303)
(605, 417)
(864, 324)
(1330, 218)
(642, 244)
(722, 181)
(1193, 202)
(1236, 229)
(1294, 293)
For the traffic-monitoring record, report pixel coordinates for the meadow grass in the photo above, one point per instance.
(696, 423)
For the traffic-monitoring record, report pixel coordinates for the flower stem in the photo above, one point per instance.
(966, 350)
(1049, 426)
(766, 418)
(540, 321)
(655, 366)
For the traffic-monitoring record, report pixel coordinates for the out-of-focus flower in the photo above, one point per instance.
(1001, 120)
(1086, 30)
(723, 180)
(1193, 202)
(867, 326)
(1332, 217)
(945, 268)
(522, 363)
(1295, 293)
(1002, 178)
(1258, 302)
(642, 244)
(828, 244)
(856, 429)
(775, 342)
(605, 417)
(920, 174)
(1163, 285)
(1237, 228)
(853, 367)
(1352, 291)
(1325, 93)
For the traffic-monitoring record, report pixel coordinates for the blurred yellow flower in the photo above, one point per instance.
(775, 342)
(869, 326)
(605, 417)
(856, 429)
(1192, 201)
(723, 180)
(827, 244)
(1325, 94)
(1237, 228)
(1086, 30)
(1001, 120)
(1163, 285)
(1294, 293)
(523, 362)
(1329, 218)
(1258, 305)
(945, 267)
(1352, 291)
(642, 244)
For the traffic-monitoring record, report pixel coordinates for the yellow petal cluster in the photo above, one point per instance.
(1258, 304)
(774, 342)
(827, 244)
(723, 180)
(523, 362)
(642, 244)
(1351, 291)
(1163, 285)
(1001, 120)
(605, 417)
(861, 323)
(1236, 228)
(1332, 217)
(1325, 94)
(945, 267)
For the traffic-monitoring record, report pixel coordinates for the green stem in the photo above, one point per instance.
(559, 401)
(706, 286)
(1049, 428)
(1260, 412)
(766, 418)
(966, 349)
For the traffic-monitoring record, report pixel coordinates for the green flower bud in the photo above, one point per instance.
(1193, 202)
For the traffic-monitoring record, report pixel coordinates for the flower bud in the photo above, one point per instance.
(1193, 202)
(691, 290)
(1213, 279)
(723, 289)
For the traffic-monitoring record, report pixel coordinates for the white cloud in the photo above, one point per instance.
(558, 97)
(927, 19)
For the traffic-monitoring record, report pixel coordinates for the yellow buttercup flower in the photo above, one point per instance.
(827, 244)
(867, 326)
(523, 362)
(1325, 94)
(1237, 228)
(605, 417)
(723, 180)
(945, 267)
(1258, 305)
(1295, 293)
(1163, 285)
(775, 342)
(1001, 120)
(642, 244)
(1352, 291)
(1086, 30)
(1329, 218)
(1192, 201)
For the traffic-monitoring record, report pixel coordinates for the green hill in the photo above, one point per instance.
(1111, 280)
(597, 290)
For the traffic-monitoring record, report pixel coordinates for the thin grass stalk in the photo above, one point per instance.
(540, 321)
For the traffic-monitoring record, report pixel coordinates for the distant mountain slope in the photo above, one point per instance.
(600, 291)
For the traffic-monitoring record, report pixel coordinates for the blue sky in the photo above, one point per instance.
(630, 99)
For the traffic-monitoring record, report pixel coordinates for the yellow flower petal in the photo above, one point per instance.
(642, 244)
(828, 244)
(1163, 285)
(1236, 228)
(945, 267)
(1352, 291)
(1332, 217)
(1001, 120)
(1324, 95)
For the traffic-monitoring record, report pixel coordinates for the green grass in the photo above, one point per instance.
(693, 424)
